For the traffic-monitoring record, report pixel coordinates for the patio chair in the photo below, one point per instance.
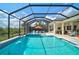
(73, 33)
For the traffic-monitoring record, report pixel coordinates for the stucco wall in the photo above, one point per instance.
(69, 23)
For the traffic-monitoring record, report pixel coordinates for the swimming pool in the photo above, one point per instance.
(33, 44)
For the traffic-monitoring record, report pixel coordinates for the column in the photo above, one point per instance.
(48, 28)
(71, 26)
(54, 28)
(62, 28)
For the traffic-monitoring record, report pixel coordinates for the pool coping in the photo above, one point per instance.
(70, 39)
(9, 41)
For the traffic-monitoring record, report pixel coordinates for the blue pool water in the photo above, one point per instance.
(40, 45)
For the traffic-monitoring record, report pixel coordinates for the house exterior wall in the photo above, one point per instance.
(66, 24)
(74, 23)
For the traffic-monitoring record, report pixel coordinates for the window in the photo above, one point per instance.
(68, 27)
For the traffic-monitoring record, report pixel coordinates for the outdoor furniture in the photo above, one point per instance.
(65, 32)
(73, 33)
(77, 35)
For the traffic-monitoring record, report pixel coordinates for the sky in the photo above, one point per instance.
(9, 7)
(14, 6)
(14, 23)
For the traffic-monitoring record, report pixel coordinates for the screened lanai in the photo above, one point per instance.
(16, 18)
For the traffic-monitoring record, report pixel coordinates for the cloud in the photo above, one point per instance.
(3, 15)
(14, 23)
(70, 12)
(21, 14)
(50, 17)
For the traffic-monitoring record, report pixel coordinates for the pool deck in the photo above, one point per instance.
(74, 40)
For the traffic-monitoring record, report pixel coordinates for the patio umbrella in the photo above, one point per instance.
(38, 27)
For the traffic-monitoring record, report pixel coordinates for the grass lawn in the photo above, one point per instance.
(13, 32)
(4, 37)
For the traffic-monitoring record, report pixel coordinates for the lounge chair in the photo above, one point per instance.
(73, 33)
